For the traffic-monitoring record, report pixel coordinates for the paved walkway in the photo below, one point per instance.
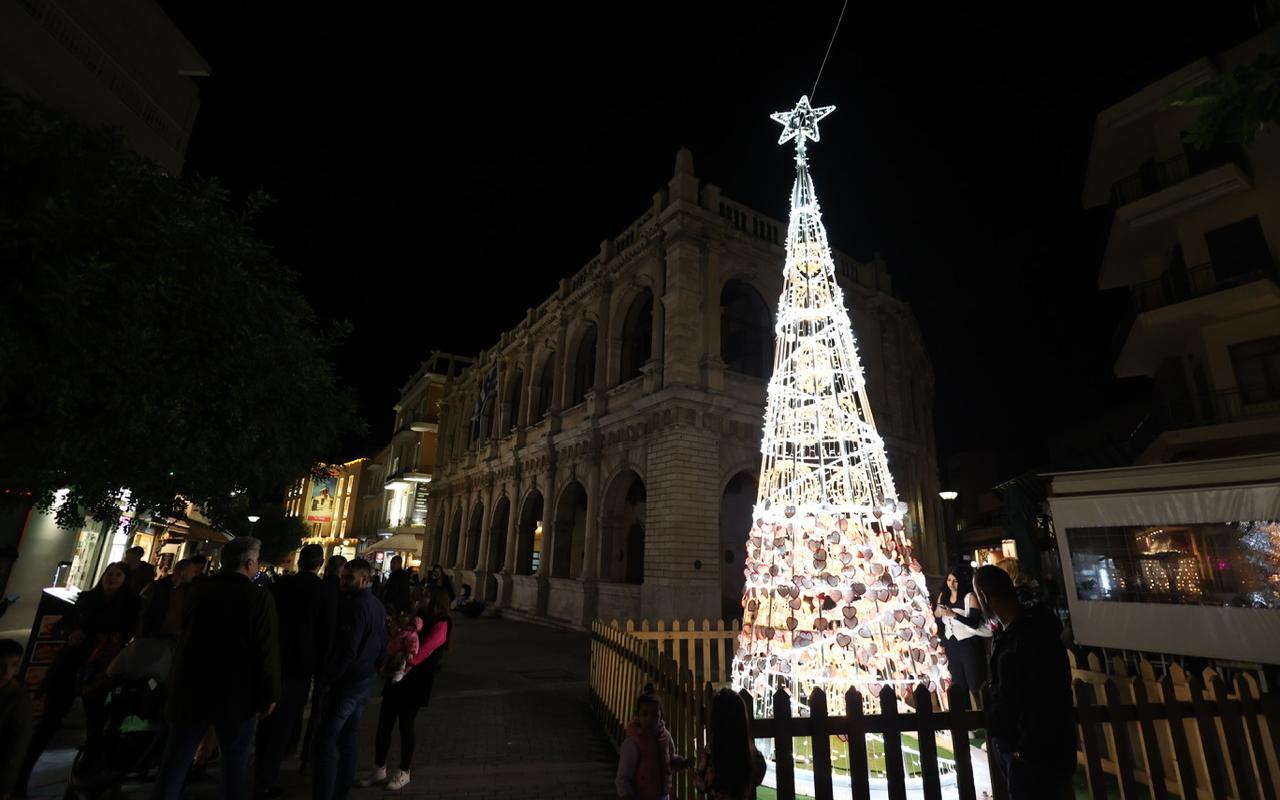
(508, 719)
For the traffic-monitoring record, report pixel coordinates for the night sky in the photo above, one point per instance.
(437, 171)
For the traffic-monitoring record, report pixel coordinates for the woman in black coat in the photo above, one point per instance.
(102, 621)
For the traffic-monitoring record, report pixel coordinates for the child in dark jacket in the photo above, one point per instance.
(647, 756)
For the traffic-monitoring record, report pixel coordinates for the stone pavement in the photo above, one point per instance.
(508, 719)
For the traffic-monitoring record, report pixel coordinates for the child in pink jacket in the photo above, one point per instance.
(403, 646)
(647, 755)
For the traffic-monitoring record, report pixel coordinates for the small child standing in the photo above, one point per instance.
(404, 645)
(647, 755)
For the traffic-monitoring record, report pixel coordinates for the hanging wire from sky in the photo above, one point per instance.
(839, 19)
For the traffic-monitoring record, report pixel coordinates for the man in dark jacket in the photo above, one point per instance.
(306, 614)
(331, 581)
(359, 646)
(226, 672)
(1028, 699)
(397, 592)
(158, 597)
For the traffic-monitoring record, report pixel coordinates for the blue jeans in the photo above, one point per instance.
(333, 763)
(235, 739)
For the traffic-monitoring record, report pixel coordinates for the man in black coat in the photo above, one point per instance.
(332, 588)
(226, 672)
(359, 646)
(1028, 699)
(306, 613)
(397, 592)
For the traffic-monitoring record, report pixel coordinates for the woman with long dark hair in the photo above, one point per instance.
(963, 633)
(102, 621)
(730, 767)
(401, 700)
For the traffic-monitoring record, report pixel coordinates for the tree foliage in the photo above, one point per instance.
(1236, 106)
(149, 340)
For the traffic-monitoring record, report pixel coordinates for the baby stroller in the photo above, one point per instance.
(131, 740)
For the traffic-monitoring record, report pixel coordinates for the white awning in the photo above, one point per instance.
(400, 543)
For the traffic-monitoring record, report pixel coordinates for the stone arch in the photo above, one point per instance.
(636, 336)
(582, 368)
(511, 402)
(497, 555)
(746, 330)
(737, 502)
(437, 541)
(474, 528)
(569, 539)
(450, 555)
(622, 529)
(529, 534)
(546, 387)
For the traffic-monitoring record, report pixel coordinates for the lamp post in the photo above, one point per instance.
(953, 540)
(253, 520)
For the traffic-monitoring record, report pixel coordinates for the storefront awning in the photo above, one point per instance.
(400, 542)
(192, 530)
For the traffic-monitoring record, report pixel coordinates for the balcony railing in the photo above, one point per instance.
(1216, 408)
(1197, 281)
(1155, 176)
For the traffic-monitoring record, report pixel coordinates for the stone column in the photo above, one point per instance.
(683, 318)
(652, 370)
(513, 530)
(526, 391)
(486, 588)
(710, 361)
(682, 518)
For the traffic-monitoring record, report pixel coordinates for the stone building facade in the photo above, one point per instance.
(600, 460)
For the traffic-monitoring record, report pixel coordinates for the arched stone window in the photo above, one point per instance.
(735, 523)
(746, 330)
(515, 389)
(584, 367)
(570, 535)
(637, 336)
(529, 535)
(622, 530)
(472, 555)
(497, 555)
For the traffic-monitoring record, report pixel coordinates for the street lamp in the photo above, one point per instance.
(253, 519)
(953, 540)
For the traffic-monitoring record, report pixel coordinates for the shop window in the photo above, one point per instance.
(1234, 564)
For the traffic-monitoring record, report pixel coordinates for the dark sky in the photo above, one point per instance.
(437, 171)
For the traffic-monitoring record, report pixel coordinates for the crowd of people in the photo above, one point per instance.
(249, 655)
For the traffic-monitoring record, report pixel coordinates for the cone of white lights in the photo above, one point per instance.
(834, 598)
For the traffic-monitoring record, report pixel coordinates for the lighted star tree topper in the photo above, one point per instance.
(834, 598)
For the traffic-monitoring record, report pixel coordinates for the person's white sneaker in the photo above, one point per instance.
(399, 780)
(378, 775)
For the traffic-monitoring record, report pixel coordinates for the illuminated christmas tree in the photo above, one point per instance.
(834, 598)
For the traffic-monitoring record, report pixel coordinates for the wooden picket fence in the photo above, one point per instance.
(1199, 737)
(1180, 736)
(706, 650)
